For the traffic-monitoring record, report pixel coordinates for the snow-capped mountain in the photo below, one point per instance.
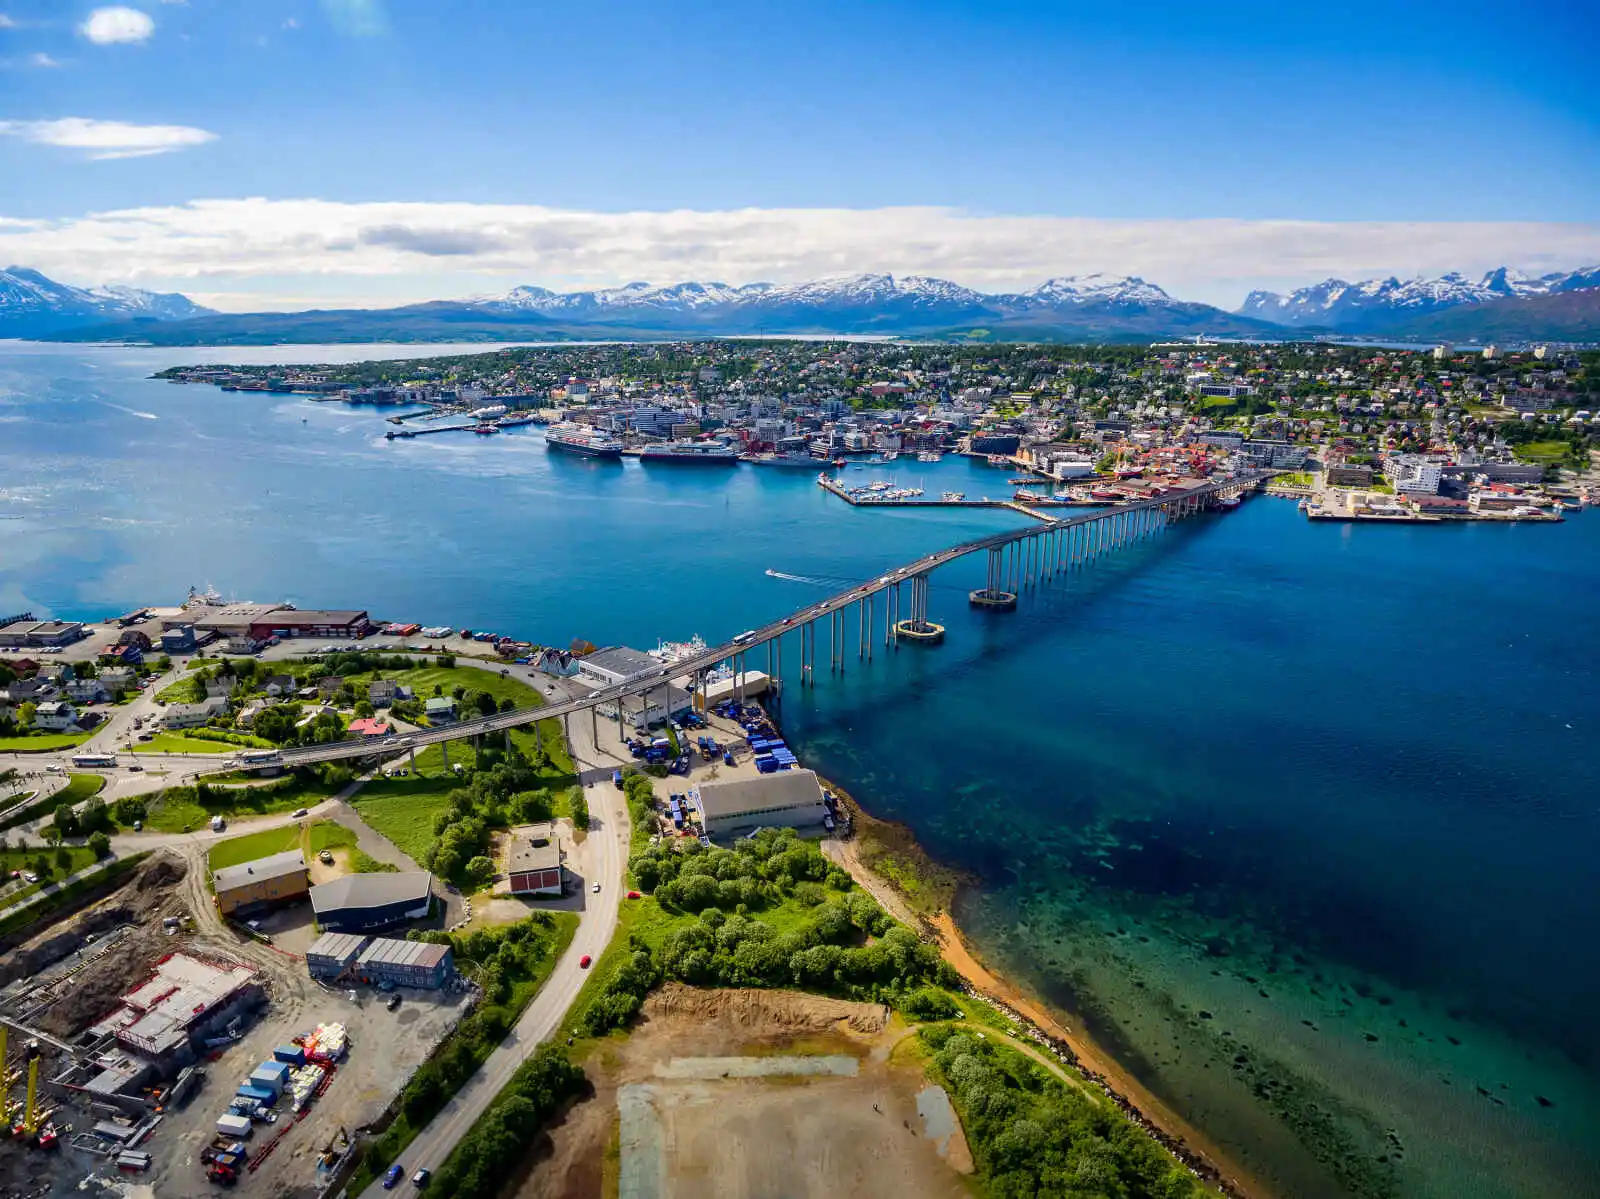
(861, 297)
(31, 303)
(1086, 289)
(1374, 304)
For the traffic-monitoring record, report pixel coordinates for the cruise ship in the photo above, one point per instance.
(581, 439)
(712, 453)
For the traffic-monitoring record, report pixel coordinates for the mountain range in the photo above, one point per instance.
(31, 304)
(1504, 304)
(1377, 305)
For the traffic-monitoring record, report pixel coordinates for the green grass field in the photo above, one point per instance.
(79, 788)
(41, 743)
(177, 810)
(403, 810)
(254, 845)
(1546, 452)
(177, 743)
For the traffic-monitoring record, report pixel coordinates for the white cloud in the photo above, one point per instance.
(402, 251)
(116, 24)
(41, 59)
(291, 23)
(359, 18)
(107, 139)
(7, 22)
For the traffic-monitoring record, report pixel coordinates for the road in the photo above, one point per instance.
(597, 923)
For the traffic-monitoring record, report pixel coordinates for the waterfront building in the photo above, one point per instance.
(787, 799)
(24, 631)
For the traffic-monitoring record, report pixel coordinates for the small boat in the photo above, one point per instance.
(485, 429)
(930, 456)
(953, 497)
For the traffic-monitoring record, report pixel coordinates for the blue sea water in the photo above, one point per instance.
(1299, 819)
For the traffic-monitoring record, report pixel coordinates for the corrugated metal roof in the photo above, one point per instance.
(341, 947)
(796, 789)
(423, 955)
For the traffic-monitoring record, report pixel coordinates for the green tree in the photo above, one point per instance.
(364, 709)
(66, 820)
(100, 845)
(63, 857)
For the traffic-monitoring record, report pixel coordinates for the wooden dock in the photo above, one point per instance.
(1028, 509)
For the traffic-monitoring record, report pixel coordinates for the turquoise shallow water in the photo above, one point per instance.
(1302, 819)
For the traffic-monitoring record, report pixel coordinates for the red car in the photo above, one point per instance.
(634, 895)
(584, 961)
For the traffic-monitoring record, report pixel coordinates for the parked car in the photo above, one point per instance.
(325, 857)
(394, 1001)
(392, 1177)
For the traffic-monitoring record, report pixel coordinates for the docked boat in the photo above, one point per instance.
(805, 460)
(953, 497)
(930, 456)
(710, 453)
(485, 429)
(1101, 493)
(584, 440)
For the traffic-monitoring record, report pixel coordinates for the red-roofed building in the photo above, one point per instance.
(370, 726)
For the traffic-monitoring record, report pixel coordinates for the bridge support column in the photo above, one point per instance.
(861, 630)
(594, 730)
(993, 596)
(919, 628)
(869, 627)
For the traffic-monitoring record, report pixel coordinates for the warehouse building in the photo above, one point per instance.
(360, 903)
(26, 631)
(331, 954)
(265, 882)
(787, 799)
(296, 622)
(534, 865)
(405, 963)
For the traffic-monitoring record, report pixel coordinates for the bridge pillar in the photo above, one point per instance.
(919, 628)
(993, 596)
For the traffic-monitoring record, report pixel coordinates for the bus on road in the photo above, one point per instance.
(93, 761)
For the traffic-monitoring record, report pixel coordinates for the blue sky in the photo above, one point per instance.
(1480, 121)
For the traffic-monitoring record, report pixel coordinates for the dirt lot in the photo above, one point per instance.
(755, 1094)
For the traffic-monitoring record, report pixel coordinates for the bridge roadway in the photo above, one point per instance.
(641, 683)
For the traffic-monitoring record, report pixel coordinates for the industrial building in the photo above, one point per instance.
(258, 622)
(22, 631)
(331, 954)
(787, 799)
(280, 878)
(405, 963)
(534, 865)
(364, 902)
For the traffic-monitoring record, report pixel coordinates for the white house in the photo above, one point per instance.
(56, 716)
(193, 716)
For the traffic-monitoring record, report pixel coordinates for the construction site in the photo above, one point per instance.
(151, 1044)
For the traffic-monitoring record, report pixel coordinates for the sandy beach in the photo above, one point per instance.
(1090, 1059)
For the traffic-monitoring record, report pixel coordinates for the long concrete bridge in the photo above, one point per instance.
(1016, 559)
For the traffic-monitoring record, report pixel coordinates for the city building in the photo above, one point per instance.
(265, 882)
(405, 964)
(366, 902)
(787, 799)
(616, 664)
(533, 864)
(55, 716)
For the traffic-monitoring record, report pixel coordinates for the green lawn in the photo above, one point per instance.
(403, 810)
(178, 809)
(79, 788)
(329, 834)
(177, 743)
(254, 845)
(1546, 452)
(40, 743)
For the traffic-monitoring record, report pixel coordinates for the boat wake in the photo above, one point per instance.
(129, 411)
(788, 578)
